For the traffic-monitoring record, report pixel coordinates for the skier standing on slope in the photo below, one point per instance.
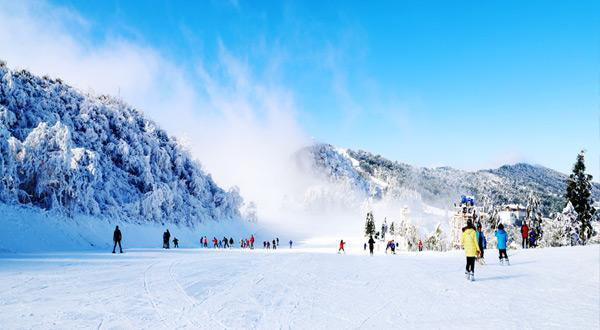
(469, 243)
(502, 238)
(175, 242)
(481, 242)
(342, 247)
(230, 242)
(117, 240)
(166, 239)
(525, 234)
(252, 241)
(291, 244)
(420, 246)
(371, 244)
(274, 245)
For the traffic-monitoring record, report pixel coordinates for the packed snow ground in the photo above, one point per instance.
(303, 288)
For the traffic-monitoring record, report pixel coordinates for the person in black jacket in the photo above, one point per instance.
(166, 238)
(117, 240)
(175, 242)
(371, 245)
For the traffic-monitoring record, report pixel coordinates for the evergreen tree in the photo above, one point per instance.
(562, 229)
(579, 195)
(370, 225)
(534, 216)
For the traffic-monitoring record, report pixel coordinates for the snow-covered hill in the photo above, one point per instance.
(79, 154)
(375, 178)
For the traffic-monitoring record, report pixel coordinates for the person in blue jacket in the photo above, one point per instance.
(502, 238)
(532, 238)
(481, 241)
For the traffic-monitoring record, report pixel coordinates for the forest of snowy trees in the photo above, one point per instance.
(70, 152)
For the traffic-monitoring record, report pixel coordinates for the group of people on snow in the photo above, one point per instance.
(474, 243)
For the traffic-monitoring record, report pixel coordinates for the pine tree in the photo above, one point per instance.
(370, 225)
(579, 195)
(534, 216)
(562, 229)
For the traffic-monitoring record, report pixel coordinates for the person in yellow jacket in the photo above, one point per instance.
(471, 246)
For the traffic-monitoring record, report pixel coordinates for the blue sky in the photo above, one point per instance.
(470, 84)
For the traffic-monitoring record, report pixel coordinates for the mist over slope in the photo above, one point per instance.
(78, 154)
(376, 178)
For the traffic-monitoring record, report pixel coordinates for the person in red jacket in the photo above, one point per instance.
(342, 247)
(251, 241)
(525, 235)
(420, 245)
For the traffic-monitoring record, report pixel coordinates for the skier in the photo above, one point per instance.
(481, 242)
(393, 247)
(166, 238)
(175, 242)
(420, 246)
(268, 245)
(525, 234)
(502, 237)
(365, 247)
(371, 244)
(252, 241)
(117, 239)
(201, 241)
(264, 244)
(277, 241)
(274, 245)
(291, 244)
(205, 241)
(469, 243)
(214, 242)
(342, 247)
(225, 242)
(230, 242)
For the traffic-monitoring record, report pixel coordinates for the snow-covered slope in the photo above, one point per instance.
(376, 178)
(78, 154)
(553, 288)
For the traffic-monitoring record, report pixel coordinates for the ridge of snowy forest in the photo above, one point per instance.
(376, 178)
(79, 154)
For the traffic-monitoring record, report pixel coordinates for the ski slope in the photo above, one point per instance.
(305, 288)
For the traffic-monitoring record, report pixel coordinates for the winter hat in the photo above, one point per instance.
(469, 223)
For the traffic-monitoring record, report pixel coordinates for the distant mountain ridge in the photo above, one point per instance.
(64, 150)
(377, 177)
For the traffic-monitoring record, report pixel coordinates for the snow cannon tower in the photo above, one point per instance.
(464, 211)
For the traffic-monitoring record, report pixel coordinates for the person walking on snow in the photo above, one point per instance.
(502, 238)
(117, 240)
(341, 249)
(481, 242)
(166, 239)
(371, 245)
(175, 242)
(525, 235)
(205, 241)
(230, 242)
(291, 244)
(471, 246)
(251, 241)
(420, 245)
(274, 245)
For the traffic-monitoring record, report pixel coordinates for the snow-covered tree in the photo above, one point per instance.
(392, 229)
(579, 195)
(562, 229)
(370, 225)
(407, 235)
(534, 215)
(75, 153)
(436, 240)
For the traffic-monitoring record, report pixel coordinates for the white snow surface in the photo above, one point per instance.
(300, 288)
